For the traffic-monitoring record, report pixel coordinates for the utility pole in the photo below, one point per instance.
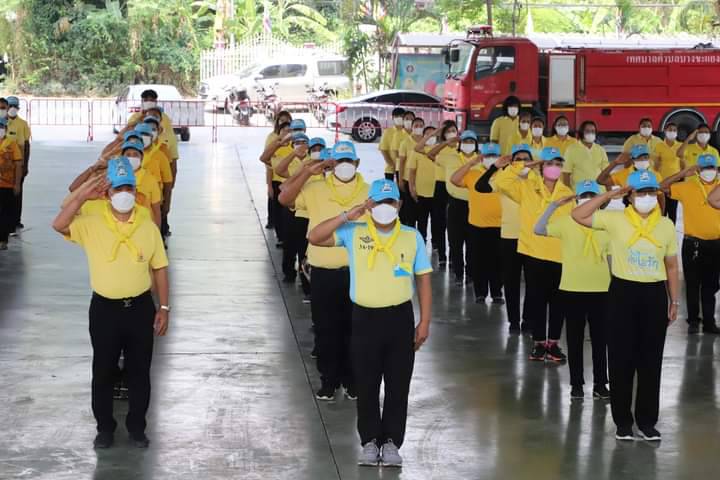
(488, 4)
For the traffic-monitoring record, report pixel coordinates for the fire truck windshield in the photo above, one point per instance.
(464, 54)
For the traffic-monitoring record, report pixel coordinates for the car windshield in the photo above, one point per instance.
(461, 66)
(245, 72)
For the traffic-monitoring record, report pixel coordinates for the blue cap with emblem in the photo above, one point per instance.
(317, 141)
(300, 137)
(383, 190)
(643, 180)
(120, 172)
(326, 154)
(344, 150)
(468, 135)
(143, 129)
(132, 134)
(550, 153)
(639, 150)
(151, 119)
(707, 161)
(521, 147)
(13, 101)
(138, 147)
(297, 124)
(587, 186)
(490, 150)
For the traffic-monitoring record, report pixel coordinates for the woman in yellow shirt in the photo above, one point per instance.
(643, 247)
(561, 139)
(667, 163)
(583, 285)
(503, 128)
(537, 128)
(280, 119)
(409, 206)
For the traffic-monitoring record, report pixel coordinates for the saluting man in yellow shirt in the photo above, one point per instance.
(387, 260)
(157, 160)
(689, 152)
(123, 246)
(342, 188)
(18, 130)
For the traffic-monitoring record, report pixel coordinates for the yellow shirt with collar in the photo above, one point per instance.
(584, 269)
(501, 132)
(451, 160)
(399, 138)
(620, 178)
(700, 220)
(388, 283)
(694, 150)
(148, 191)
(425, 173)
(167, 136)
(386, 142)
(10, 157)
(18, 130)
(484, 209)
(293, 168)
(641, 262)
(280, 154)
(583, 163)
(156, 162)
(652, 142)
(517, 138)
(321, 203)
(528, 194)
(128, 275)
(667, 160)
(407, 148)
(560, 144)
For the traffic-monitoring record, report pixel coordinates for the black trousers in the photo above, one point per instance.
(121, 326)
(408, 209)
(19, 199)
(383, 349)
(701, 266)
(545, 313)
(295, 250)
(458, 231)
(439, 219)
(279, 213)
(512, 267)
(332, 316)
(581, 308)
(271, 212)
(8, 219)
(486, 261)
(671, 206)
(637, 325)
(423, 207)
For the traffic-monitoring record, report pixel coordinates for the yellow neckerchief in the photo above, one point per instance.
(5, 143)
(359, 182)
(702, 184)
(464, 158)
(591, 243)
(643, 230)
(122, 238)
(547, 198)
(380, 247)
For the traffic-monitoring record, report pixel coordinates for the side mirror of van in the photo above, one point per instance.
(446, 55)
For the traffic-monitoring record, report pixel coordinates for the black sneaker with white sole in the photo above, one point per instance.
(326, 393)
(577, 393)
(625, 434)
(600, 392)
(350, 392)
(650, 434)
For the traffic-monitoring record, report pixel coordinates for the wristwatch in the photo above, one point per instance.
(676, 303)
(165, 307)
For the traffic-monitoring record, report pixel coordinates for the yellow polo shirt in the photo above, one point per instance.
(10, 158)
(484, 209)
(128, 275)
(293, 168)
(560, 144)
(451, 160)
(389, 282)
(148, 191)
(584, 163)
(637, 139)
(398, 139)
(668, 162)
(322, 203)
(533, 198)
(280, 155)
(424, 173)
(700, 220)
(18, 130)
(156, 162)
(510, 221)
(167, 136)
(693, 151)
(641, 262)
(584, 266)
(620, 178)
(501, 132)
(386, 141)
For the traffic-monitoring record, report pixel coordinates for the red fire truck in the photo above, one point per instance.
(613, 84)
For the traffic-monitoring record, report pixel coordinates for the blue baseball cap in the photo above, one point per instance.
(468, 135)
(120, 172)
(587, 186)
(151, 118)
(138, 147)
(132, 134)
(297, 124)
(521, 147)
(344, 150)
(639, 150)
(707, 161)
(13, 101)
(550, 153)
(642, 180)
(490, 150)
(300, 137)
(326, 154)
(143, 129)
(384, 189)
(3, 122)
(315, 141)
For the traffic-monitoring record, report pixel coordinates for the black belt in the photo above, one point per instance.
(338, 269)
(122, 302)
(699, 240)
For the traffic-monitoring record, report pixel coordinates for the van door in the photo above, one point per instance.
(494, 78)
(561, 94)
(293, 82)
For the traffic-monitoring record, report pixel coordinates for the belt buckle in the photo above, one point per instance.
(128, 302)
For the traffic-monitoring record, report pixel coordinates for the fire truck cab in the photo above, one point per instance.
(614, 83)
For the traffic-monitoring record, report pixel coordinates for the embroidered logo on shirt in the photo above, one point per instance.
(366, 239)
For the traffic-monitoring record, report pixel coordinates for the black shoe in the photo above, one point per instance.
(577, 392)
(515, 328)
(140, 440)
(693, 329)
(104, 440)
(600, 392)
(538, 352)
(279, 245)
(650, 434)
(350, 393)
(288, 279)
(326, 393)
(480, 300)
(498, 301)
(442, 261)
(712, 329)
(313, 353)
(459, 281)
(269, 226)
(306, 300)
(525, 327)
(555, 353)
(625, 433)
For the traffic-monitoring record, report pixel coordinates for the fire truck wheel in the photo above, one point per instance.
(686, 122)
(366, 130)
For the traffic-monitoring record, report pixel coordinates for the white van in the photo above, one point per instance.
(289, 77)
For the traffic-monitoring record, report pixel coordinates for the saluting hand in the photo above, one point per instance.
(503, 161)
(564, 200)
(621, 159)
(619, 192)
(690, 171)
(161, 322)
(692, 136)
(94, 189)
(358, 211)
(317, 167)
(475, 160)
(452, 141)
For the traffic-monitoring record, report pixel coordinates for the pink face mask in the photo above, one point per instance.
(552, 172)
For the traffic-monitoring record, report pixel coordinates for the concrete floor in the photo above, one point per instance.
(233, 380)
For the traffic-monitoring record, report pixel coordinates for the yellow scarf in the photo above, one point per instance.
(345, 201)
(591, 243)
(643, 230)
(547, 198)
(122, 238)
(379, 246)
(702, 184)
(5, 144)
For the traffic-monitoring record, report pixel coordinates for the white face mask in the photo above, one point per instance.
(147, 140)
(709, 175)
(431, 141)
(489, 161)
(384, 213)
(525, 172)
(12, 112)
(148, 104)
(646, 131)
(513, 111)
(3, 112)
(641, 164)
(123, 202)
(407, 124)
(645, 204)
(582, 201)
(398, 121)
(135, 162)
(562, 130)
(450, 135)
(154, 135)
(417, 131)
(345, 171)
(589, 137)
(467, 148)
(537, 131)
(2, 133)
(315, 155)
(703, 138)
(524, 126)
(671, 135)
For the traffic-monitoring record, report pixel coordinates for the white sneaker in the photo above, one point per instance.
(370, 455)
(390, 455)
